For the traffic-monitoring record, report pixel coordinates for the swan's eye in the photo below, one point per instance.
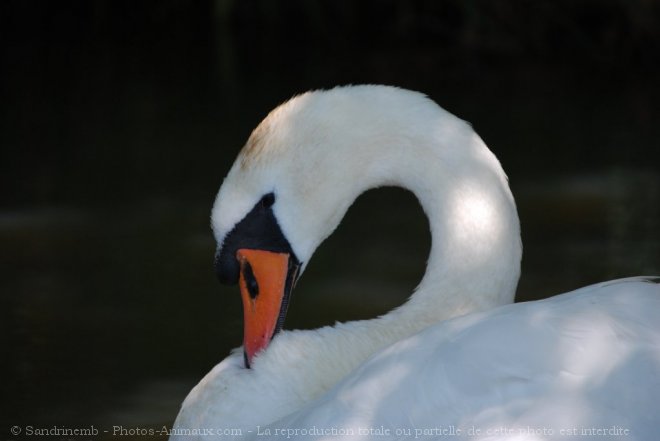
(250, 281)
(268, 200)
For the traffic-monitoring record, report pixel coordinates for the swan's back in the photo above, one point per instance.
(574, 364)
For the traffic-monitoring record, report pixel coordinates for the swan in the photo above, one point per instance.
(458, 357)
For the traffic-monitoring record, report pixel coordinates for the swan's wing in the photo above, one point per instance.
(582, 363)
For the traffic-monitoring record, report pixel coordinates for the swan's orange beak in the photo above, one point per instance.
(263, 284)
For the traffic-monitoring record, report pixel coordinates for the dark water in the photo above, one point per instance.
(109, 307)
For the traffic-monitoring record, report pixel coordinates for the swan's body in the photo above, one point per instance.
(300, 171)
(584, 360)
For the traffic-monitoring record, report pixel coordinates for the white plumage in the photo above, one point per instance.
(584, 360)
(452, 360)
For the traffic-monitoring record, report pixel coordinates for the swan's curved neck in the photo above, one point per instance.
(474, 262)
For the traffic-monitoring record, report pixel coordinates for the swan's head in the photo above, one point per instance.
(286, 192)
(302, 168)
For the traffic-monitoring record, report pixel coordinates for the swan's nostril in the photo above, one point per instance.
(250, 281)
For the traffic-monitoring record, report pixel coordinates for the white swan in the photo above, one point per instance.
(584, 360)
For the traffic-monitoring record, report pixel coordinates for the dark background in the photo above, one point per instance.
(119, 120)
